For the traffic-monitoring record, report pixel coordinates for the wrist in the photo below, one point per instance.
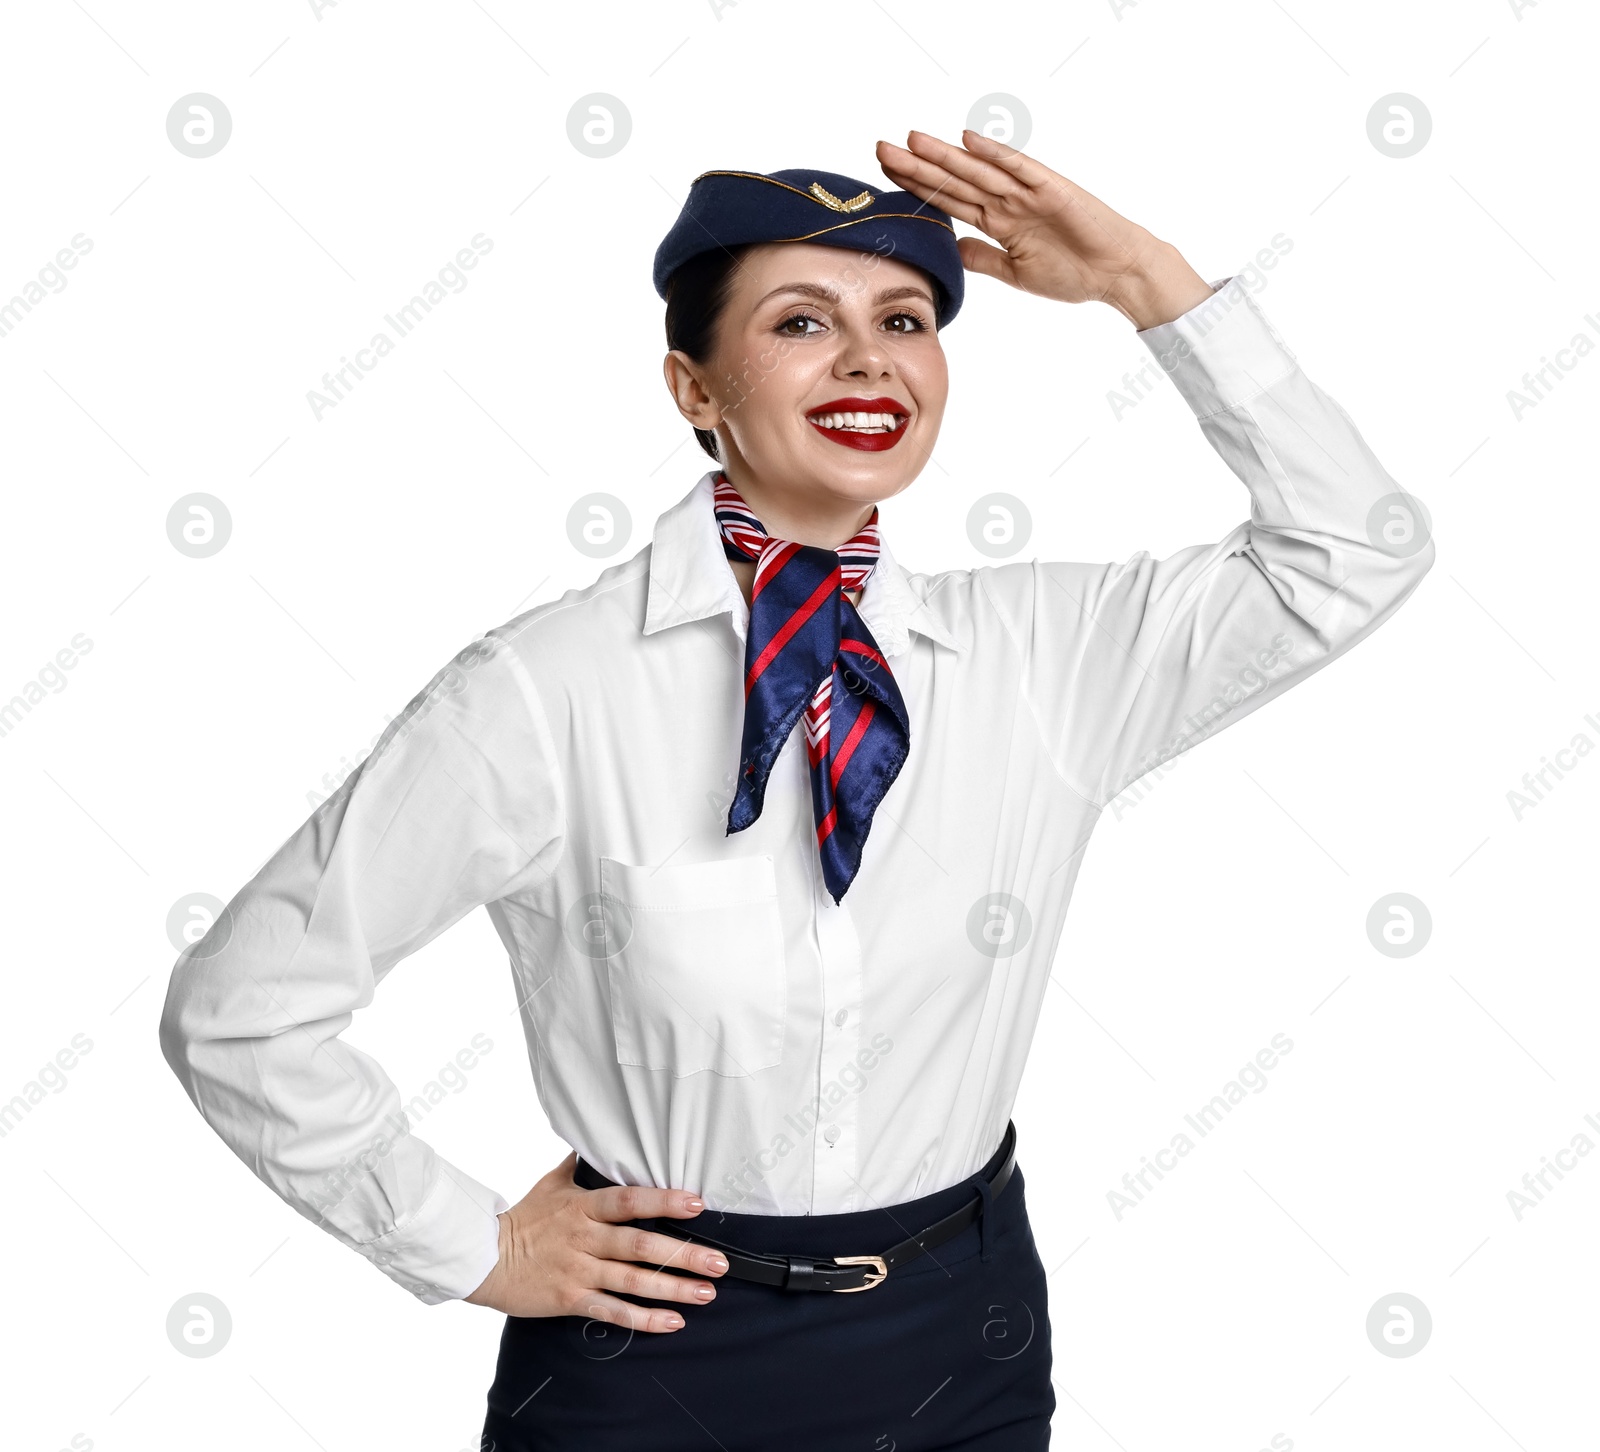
(487, 1292)
(1160, 287)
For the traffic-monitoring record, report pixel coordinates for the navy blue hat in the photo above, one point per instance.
(731, 208)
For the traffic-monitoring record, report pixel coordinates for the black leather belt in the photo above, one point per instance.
(839, 1272)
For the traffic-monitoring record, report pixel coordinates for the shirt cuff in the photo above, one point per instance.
(444, 1251)
(1222, 351)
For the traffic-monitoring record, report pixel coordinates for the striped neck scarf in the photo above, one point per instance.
(808, 653)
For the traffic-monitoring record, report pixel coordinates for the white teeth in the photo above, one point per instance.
(861, 423)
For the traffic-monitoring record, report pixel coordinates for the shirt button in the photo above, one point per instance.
(841, 1015)
(831, 1134)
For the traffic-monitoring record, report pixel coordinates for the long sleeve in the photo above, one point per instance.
(1128, 665)
(459, 804)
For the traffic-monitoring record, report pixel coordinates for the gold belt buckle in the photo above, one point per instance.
(872, 1260)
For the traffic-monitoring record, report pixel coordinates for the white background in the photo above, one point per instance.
(369, 144)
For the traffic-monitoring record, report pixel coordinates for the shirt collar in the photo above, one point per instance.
(690, 580)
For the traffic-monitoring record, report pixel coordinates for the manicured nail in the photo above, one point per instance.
(695, 1204)
(718, 1265)
(705, 1292)
(674, 1322)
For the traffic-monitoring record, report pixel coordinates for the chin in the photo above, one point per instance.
(862, 484)
(863, 474)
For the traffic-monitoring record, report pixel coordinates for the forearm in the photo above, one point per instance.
(1132, 663)
(458, 805)
(252, 1029)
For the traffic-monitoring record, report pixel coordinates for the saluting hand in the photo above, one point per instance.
(1056, 239)
(562, 1248)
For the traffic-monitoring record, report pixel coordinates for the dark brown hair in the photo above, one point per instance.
(697, 293)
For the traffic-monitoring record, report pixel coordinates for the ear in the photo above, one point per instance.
(686, 382)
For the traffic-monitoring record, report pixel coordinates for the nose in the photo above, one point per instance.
(862, 355)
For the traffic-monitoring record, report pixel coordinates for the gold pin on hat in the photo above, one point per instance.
(827, 198)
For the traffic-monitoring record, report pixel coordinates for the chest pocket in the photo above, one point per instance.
(697, 981)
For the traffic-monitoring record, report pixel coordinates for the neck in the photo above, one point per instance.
(821, 520)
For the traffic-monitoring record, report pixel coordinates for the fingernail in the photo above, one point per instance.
(674, 1321)
(692, 1203)
(718, 1265)
(705, 1292)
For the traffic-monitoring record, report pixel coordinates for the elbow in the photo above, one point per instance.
(1412, 568)
(182, 1027)
(1378, 585)
(1402, 573)
(1395, 585)
(1416, 562)
(171, 1032)
(202, 988)
(1422, 561)
(1400, 548)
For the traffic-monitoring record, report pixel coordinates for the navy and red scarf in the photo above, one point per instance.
(809, 654)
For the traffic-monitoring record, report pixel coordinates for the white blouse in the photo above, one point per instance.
(698, 1011)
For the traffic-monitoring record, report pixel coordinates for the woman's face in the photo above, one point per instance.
(827, 385)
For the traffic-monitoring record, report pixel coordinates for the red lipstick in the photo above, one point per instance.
(853, 439)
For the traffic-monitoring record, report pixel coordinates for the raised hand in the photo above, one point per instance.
(1055, 239)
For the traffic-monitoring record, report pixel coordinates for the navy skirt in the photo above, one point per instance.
(950, 1354)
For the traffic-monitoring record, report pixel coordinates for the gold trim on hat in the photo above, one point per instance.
(851, 204)
(857, 221)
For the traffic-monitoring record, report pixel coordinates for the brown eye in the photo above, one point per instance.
(913, 323)
(800, 332)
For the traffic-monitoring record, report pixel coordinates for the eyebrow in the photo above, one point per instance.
(832, 294)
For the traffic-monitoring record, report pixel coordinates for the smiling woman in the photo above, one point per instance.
(784, 1038)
